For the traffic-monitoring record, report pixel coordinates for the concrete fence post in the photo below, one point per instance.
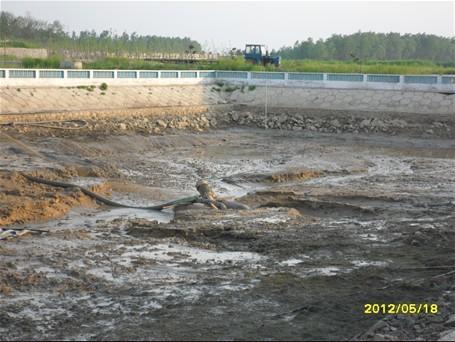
(439, 79)
(90, 74)
(65, 74)
(401, 79)
(248, 75)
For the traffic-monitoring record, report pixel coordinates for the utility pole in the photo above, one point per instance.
(266, 102)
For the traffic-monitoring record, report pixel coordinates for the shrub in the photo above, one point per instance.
(230, 89)
(46, 63)
(103, 86)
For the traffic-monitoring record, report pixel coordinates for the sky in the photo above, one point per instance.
(219, 25)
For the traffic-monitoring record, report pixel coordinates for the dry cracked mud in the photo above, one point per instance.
(336, 221)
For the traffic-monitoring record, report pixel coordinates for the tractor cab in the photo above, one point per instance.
(258, 54)
(254, 52)
(255, 49)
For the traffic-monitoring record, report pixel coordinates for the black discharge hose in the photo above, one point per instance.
(159, 207)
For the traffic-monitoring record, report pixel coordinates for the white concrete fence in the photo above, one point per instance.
(63, 77)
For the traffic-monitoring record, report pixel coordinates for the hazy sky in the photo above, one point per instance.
(218, 25)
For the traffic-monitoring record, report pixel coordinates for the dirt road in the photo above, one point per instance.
(337, 221)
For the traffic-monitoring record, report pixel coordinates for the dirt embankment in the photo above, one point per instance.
(22, 200)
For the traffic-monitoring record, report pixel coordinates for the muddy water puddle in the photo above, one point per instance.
(335, 223)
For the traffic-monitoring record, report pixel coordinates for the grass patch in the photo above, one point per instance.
(238, 64)
(86, 87)
(18, 44)
(10, 61)
(367, 67)
(223, 86)
(41, 63)
(251, 87)
(230, 89)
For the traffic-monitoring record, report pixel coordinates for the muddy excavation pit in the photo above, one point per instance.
(337, 221)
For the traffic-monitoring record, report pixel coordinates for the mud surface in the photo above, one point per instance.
(337, 221)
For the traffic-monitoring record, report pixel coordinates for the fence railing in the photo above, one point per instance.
(288, 77)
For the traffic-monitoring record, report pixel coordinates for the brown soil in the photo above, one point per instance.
(24, 201)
